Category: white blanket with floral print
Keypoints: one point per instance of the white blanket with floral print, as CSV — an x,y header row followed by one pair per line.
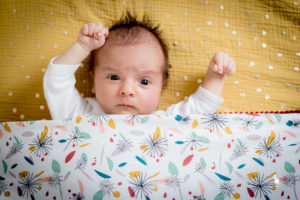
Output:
x,y
213,156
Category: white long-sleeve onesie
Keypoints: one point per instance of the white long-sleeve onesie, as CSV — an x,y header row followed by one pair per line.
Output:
x,y
64,101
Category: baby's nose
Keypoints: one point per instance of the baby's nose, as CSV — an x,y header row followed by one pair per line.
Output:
x,y
127,89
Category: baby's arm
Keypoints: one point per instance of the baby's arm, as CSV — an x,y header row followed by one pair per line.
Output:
x,y
91,36
220,66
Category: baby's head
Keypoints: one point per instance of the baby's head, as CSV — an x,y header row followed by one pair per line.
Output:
x,y
130,70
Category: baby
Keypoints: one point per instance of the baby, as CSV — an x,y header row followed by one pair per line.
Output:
x,y
129,69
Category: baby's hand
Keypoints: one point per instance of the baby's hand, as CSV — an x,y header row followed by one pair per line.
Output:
x,y
222,64
92,36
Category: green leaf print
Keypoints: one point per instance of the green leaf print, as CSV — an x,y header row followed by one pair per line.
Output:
x,y
16,139
289,167
110,163
278,117
173,169
4,166
55,166
99,195
84,135
258,125
84,157
77,130
202,161
229,166
145,119
220,196
203,139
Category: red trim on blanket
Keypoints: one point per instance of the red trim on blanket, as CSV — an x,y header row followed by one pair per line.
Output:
x,y
262,112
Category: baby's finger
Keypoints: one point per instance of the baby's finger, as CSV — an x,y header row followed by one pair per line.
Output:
x,y
229,67
91,29
84,30
98,30
105,32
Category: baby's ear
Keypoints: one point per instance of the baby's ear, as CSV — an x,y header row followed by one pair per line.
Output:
x,y
92,78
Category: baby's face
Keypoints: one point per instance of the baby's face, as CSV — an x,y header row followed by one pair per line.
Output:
x,y
128,79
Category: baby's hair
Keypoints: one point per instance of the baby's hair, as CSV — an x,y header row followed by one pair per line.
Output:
x,y
129,30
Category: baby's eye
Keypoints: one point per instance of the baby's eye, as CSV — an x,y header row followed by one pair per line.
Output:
x,y
145,82
114,77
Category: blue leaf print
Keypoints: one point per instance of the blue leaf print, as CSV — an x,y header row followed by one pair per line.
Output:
x,y
289,123
241,166
258,161
28,160
224,178
102,174
141,160
62,141
178,117
292,145
179,142
122,164
147,198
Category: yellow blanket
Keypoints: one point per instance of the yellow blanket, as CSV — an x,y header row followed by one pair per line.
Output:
x,y
262,37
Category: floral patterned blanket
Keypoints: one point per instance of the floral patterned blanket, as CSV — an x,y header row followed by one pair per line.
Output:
x,y
211,156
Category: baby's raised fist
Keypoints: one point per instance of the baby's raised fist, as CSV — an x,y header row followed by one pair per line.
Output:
x,y
92,36
222,64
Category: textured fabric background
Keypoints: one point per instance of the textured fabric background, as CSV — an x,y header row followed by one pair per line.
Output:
x,y
262,37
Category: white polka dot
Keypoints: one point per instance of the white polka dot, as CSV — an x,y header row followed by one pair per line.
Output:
x,y
264,45
10,93
98,12
37,95
236,82
15,60
242,95
50,13
69,12
270,67
264,33
42,20
226,24
13,10
267,97
43,69
257,76
153,9
293,37
183,46
197,29
27,27
168,15
295,3
22,66
279,54
183,26
145,4
65,32
253,25
258,90
40,7
186,12
282,106
248,12
42,107
208,23
267,16
296,69
55,45
233,32
252,63
297,89
177,94
283,33
240,43
21,16
50,24
124,2
287,85
10,44
175,43
27,77
22,116
42,57
267,83
205,2
37,45
221,7
298,54
185,77
199,80
188,62
255,39
14,110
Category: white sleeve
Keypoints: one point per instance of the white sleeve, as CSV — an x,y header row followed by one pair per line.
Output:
x,y
62,97
202,101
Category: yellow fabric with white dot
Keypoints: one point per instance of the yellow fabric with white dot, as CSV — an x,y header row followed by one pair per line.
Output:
x,y
262,37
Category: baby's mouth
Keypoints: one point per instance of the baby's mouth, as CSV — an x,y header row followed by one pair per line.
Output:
x,y
125,105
